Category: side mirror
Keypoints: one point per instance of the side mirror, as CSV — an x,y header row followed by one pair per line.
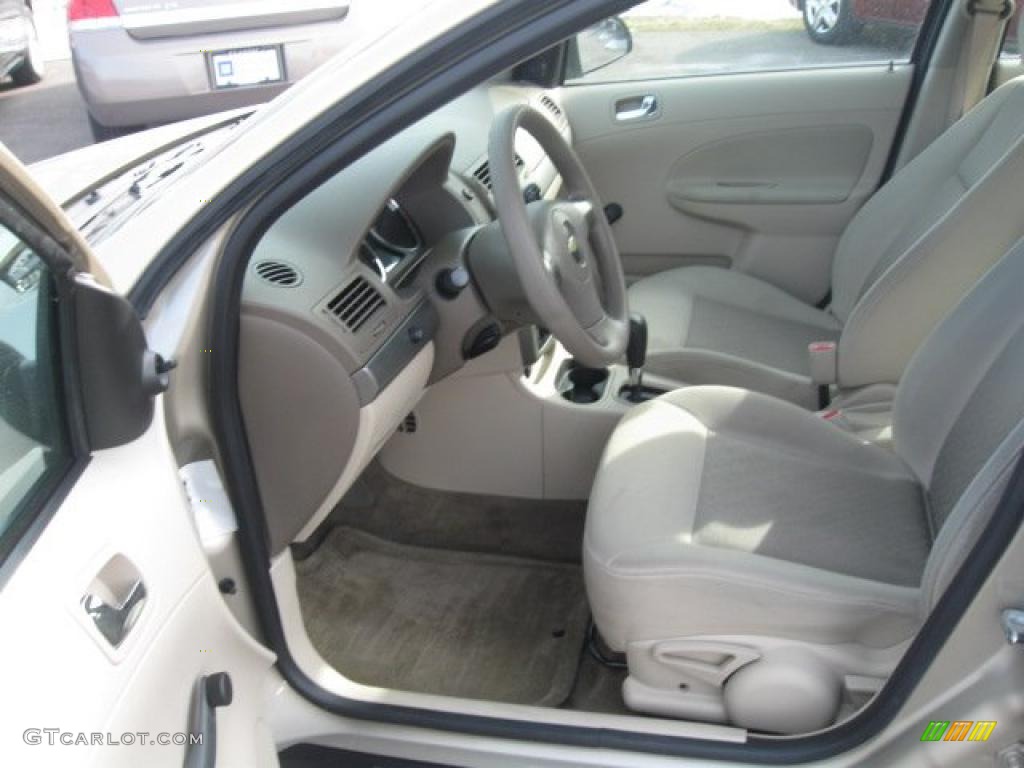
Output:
x,y
599,46
120,376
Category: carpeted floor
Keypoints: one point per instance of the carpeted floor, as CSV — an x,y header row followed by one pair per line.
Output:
x,y
597,689
442,621
385,506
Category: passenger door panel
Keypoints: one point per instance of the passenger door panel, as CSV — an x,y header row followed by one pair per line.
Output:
x,y
128,503
758,172
112,612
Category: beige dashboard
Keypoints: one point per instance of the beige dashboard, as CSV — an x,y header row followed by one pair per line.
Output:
x,y
358,297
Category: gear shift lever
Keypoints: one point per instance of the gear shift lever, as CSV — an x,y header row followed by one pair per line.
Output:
x,y
636,354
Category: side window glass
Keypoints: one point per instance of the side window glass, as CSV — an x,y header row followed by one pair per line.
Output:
x,y
687,38
34,449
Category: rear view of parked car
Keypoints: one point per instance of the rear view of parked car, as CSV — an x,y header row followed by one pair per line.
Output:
x,y
140,62
20,54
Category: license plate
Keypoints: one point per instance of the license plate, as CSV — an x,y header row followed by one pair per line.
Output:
x,y
246,66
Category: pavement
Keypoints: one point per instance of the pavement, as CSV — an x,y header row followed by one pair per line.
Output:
x,y
743,9
46,119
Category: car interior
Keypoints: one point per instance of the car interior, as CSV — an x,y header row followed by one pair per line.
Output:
x,y
667,399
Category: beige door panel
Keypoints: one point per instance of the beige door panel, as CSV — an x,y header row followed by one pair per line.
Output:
x,y
126,523
112,615
760,172
768,170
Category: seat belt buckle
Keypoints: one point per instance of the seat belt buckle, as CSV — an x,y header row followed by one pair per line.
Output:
x,y
824,362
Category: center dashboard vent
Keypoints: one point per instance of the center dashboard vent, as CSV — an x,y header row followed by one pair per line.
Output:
x,y
483,171
278,273
356,304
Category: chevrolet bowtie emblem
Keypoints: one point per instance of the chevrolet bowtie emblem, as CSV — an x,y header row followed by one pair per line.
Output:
x,y
574,248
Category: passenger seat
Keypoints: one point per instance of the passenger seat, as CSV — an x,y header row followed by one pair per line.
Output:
x,y
903,262
761,568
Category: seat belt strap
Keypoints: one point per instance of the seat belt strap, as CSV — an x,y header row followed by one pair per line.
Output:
x,y
988,20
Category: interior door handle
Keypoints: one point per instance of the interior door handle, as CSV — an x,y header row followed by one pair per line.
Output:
x,y
115,599
636,108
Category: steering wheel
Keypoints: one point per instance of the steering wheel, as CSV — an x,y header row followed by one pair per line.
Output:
x,y
564,251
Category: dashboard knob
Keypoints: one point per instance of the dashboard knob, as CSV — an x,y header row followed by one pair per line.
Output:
x,y
451,282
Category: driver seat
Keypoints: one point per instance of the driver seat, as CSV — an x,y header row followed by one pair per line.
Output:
x,y
903,262
759,566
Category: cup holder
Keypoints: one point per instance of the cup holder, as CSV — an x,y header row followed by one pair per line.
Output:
x,y
583,385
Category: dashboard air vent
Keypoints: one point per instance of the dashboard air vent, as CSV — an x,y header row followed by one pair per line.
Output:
x,y
278,273
483,174
409,425
483,171
356,304
551,106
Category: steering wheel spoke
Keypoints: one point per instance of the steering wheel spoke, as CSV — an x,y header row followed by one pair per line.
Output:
x,y
585,210
602,331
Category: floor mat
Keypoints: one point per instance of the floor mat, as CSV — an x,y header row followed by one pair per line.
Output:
x,y
397,511
438,621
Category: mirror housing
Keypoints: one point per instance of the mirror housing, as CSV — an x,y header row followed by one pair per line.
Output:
x,y
598,46
119,374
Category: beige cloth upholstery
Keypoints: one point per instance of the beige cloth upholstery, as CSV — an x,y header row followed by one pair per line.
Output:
x,y
719,511
903,262
722,511
715,326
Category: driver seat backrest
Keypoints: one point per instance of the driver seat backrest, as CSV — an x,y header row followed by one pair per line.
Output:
x,y
920,243
958,421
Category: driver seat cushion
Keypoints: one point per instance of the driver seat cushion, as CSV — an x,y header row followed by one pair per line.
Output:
x,y
714,326
719,510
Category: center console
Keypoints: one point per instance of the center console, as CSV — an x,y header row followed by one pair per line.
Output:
x,y
589,386
584,386
526,420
